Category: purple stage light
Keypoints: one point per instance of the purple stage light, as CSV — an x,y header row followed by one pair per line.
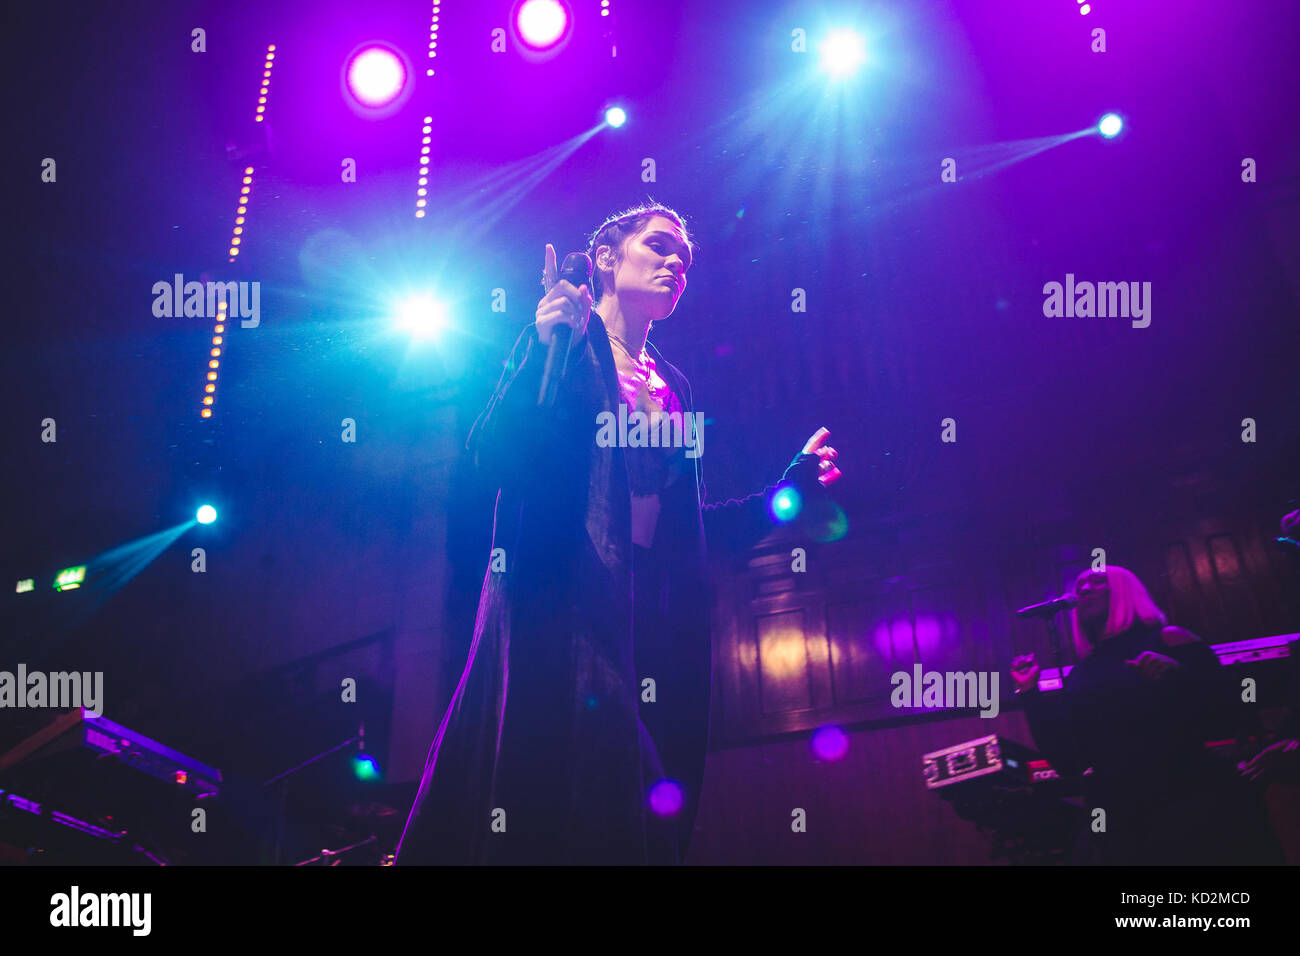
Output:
x,y
376,77
541,23
830,743
666,798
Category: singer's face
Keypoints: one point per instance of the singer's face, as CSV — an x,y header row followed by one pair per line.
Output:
x,y
1093,590
652,271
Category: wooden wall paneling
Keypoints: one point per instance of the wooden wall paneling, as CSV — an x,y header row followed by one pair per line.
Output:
x,y
1187,600
735,697
1228,564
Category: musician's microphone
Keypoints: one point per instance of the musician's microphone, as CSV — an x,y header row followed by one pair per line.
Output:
x,y
576,269
1048,608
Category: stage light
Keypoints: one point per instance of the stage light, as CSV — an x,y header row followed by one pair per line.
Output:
x,y
422,316
376,77
786,504
70,579
365,767
1110,125
843,52
541,23
615,116
27,584
206,514
666,798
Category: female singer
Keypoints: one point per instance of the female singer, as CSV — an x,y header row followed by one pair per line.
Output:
x,y
578,730
1138,708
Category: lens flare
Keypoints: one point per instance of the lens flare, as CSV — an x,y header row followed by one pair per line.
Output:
x,y
830,743
666,798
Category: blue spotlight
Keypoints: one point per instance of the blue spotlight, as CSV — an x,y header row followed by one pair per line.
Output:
x,y
365,767
842,52
206,514
786,504
1110,125
422,316
615,116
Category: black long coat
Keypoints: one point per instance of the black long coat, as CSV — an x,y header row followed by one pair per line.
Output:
x,y
541,756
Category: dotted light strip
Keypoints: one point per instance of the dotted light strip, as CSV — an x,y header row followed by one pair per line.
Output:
x,y
219,331
237,234
426,131
266,83
605,11
236,240
422,184
214,360
433,37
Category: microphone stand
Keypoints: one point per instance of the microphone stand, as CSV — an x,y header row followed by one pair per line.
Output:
x,y
282,792
1054,632
328,854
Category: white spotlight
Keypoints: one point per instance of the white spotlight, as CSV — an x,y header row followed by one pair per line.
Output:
x,y
423,316
842,52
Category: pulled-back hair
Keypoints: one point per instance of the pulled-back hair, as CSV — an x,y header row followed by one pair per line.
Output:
x,y
1129,600
620,227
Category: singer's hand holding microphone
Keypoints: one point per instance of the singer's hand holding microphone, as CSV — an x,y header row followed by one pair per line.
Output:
x,y
563,303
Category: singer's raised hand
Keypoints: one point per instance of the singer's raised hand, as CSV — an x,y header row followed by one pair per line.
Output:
x,y
816,445
1025,671
562,303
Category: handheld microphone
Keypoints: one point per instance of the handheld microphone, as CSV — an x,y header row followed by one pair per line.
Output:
x,y
577,270
1048,608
